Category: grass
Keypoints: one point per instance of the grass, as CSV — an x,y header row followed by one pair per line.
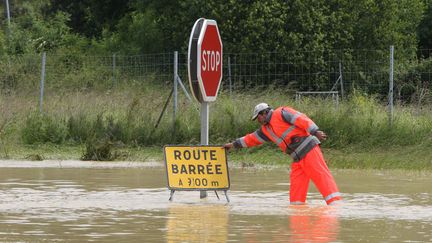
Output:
x,y
407,158
119,124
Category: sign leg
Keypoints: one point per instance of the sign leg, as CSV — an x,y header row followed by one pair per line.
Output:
x,y
217,195
171,195
226,195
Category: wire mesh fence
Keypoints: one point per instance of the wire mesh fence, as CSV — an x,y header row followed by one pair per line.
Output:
x,y
332,70
311,71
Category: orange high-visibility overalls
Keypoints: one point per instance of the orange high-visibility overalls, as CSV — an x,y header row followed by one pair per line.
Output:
x,y
294,133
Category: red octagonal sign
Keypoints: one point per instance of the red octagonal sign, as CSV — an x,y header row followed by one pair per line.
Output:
x,y
209,60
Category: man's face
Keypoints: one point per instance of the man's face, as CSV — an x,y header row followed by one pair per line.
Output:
x,y
261,118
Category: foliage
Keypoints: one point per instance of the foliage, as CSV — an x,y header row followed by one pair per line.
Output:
x,y
413,80
263,26
99,150
246,26
43,128
91,17
31,31
424,30
3,43
139,33
360,121
330,29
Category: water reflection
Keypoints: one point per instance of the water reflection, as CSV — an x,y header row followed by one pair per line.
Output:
x,y
301,224
197,223
313,224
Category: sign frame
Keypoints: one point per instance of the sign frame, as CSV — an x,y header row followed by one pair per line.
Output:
x,y
196,189
194,60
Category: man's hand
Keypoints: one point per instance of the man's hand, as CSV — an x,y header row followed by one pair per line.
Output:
x,y
321,135
228,146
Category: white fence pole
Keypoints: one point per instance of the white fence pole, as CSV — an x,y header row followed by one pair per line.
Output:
x,y
229,76
341,80
9,23
8,13
114,68
42,82
391,108
175,87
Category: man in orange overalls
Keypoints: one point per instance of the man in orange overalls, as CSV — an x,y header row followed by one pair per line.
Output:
x,y
296,135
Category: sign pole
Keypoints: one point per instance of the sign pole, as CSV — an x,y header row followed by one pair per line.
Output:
x,y
205,70
204,132
204,123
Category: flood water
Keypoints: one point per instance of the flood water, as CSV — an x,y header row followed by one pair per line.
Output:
x,y
74,201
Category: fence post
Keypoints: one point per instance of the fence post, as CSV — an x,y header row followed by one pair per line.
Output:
x,y
341,80
175,88
391,108
113,68
9,23
8,13
42,82
229,76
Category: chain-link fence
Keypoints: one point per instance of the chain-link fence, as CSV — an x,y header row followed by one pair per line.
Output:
x,y
333,70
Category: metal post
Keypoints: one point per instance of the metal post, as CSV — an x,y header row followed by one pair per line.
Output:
x,y
113,68
42,81
9,24
337,101
229,76
391,85
341,80
175,89
8,13
184,88
204,132
204,123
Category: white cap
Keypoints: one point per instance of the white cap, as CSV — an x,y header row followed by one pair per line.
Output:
x,y
258,108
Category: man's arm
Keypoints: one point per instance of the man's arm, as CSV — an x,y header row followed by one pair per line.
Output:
x,y
228,146
321,135
250,140
300,120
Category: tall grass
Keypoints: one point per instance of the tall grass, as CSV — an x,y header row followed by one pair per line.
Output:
x,y
127,117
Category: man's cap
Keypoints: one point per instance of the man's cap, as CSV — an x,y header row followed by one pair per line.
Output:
x,y
258,108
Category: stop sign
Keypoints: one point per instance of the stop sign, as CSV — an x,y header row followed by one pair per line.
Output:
x,y
206,54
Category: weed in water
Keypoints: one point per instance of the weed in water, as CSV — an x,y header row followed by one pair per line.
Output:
x,y
101,150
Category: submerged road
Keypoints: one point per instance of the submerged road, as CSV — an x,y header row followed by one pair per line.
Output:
x,y
76,201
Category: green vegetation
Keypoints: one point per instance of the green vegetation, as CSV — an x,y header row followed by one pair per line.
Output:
x,y
136,26
93,125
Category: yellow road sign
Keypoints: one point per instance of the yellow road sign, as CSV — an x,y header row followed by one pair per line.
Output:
x,y
196,168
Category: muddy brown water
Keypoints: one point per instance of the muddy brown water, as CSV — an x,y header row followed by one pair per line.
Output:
x,y
74,201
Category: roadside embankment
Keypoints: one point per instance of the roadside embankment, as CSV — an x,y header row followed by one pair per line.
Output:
x,y
122,124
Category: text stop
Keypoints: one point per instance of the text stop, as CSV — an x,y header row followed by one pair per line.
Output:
x,y
211,60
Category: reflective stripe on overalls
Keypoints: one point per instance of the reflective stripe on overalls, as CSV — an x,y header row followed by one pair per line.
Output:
x,y
279,140
302,149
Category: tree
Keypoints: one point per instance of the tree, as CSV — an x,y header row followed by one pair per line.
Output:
x,y
138,33
90,17
424,30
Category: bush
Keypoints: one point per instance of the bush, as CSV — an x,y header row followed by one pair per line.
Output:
x,y
414,81
79,128
43,128
100,150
